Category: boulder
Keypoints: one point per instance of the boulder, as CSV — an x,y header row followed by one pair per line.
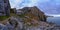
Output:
x,y
16,22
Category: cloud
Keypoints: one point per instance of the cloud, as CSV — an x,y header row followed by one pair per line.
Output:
x,y
47,6
14,3
23,3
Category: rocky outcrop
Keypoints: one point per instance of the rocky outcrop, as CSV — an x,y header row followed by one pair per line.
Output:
x,y
4,8
32,19
16,23
33,12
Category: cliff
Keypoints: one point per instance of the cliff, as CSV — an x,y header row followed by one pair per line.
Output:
x,y
4,8
34,13
31,19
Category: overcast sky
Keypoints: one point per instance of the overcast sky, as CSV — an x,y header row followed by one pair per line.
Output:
x,y
23,3
48,6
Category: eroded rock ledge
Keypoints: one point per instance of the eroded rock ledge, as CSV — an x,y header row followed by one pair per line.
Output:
x,y
16,23
31,19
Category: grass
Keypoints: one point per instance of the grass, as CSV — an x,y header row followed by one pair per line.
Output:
x,y
3,18
22,15
11,14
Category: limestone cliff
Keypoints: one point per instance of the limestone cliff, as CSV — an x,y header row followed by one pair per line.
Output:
x,y
34,13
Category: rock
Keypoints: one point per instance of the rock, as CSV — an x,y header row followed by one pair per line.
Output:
x,y
3,27
16,23
33,19
43,27
4,8
13,23
33,12
13,10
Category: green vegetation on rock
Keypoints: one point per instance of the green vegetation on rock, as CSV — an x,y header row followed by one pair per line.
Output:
x,y
3,18
6,17
22,15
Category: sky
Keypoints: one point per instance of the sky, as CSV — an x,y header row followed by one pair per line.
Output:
x,y
47,6
23,3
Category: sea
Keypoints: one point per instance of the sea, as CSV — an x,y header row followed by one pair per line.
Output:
x,y
55,20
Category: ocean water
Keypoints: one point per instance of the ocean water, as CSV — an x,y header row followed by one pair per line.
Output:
x,y
55,20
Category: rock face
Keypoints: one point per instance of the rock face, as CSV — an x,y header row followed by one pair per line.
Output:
x,y
33,12
13,10
32,19
4,7
16,23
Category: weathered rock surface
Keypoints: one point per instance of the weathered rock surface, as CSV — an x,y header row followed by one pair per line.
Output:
x,y
33,12
15,23
32,19
4,8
